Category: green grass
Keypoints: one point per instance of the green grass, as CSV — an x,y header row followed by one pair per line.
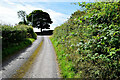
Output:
x,y
66,67
27,65
15,38
15,47
88,44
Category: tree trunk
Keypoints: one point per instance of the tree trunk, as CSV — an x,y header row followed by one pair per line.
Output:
x,y
41,27
41,30
24,21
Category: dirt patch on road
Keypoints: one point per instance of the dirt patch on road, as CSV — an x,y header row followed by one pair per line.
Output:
x,y
26,66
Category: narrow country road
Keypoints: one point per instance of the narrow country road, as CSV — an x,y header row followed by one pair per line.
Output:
x,y
44,65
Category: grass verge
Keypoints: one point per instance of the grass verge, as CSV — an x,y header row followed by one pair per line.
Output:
x,y
26,66
65,66
13,48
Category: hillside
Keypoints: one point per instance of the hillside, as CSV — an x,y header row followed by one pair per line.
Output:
x,y
88,44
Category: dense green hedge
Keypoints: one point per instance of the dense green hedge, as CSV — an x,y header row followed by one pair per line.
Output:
x,y
15,34
88,44
15,38
15,47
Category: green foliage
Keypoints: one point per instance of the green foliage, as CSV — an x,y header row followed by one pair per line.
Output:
x,y
14,38
15,47
16,33
39,19
102,12
22,14
88,44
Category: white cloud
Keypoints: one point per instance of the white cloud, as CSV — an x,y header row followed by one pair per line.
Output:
x,y
58,18
8,14
9,2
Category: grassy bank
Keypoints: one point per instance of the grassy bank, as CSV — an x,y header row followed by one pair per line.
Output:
x,y
88,44
15,47
21,72
16,38
66,69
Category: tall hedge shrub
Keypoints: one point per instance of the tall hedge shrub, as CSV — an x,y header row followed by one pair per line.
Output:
x,y
15,38
88,45
15,34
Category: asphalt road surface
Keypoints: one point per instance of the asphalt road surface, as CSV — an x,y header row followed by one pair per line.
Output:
x,y
44,65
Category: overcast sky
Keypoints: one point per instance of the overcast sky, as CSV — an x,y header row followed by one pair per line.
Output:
x,y
59,11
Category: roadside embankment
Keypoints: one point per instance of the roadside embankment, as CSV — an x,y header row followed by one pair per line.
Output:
x,y
16,38
18,65
88,43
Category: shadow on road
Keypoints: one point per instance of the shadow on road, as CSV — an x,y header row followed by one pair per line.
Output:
x,y
14,56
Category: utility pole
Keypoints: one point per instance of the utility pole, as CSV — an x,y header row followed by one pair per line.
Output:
x,y
32,19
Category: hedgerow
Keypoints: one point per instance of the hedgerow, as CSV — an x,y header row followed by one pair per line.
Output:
x,y
88,44
15,38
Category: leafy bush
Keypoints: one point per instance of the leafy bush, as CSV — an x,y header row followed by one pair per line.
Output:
x,y
88,44
15,47
16,34
15,37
